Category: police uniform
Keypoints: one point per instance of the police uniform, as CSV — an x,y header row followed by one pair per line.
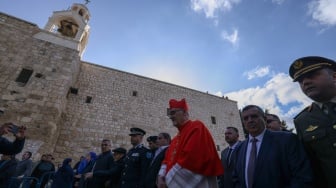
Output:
x,y
136,163
315,128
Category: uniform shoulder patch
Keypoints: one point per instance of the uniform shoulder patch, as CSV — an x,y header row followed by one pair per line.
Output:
x,y
307,109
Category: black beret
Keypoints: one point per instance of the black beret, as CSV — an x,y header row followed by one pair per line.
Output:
x,y
137,131
120,150
305,65
152,138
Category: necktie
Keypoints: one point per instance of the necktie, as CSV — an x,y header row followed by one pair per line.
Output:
x,y
331,108
228,159
252,161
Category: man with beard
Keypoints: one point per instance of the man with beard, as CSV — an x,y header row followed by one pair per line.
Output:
x,y
191,159
316,124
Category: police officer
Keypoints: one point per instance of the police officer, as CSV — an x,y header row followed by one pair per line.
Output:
x,y
136,161
316,124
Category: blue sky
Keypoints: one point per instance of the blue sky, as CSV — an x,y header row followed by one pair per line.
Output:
x,y
237,48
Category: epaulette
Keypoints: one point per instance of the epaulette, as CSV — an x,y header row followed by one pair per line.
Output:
x,y
307,109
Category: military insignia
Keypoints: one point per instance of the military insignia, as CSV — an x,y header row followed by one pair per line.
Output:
x,y
311,128
298,65
135,154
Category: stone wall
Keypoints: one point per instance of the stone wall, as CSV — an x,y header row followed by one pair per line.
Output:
x,y
39,102
121,100
69,106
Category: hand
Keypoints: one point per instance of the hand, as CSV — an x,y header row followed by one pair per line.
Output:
x,y
5,128
21,133
78,176
88,175
161,182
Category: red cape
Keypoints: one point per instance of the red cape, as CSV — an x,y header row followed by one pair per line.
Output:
x,y
194,149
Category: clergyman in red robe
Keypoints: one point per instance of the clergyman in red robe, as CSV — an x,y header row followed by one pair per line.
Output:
x,y
191,159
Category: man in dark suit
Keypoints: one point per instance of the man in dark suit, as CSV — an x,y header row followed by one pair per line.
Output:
x,y
228,156
267,158
163,140
101,170
316,124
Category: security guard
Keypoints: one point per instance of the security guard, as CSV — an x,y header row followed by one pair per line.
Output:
x,y
316,124
136,161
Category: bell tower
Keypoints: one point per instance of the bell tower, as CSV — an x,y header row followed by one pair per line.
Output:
x,y
71,24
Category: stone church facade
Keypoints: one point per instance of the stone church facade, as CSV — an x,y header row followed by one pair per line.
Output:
x,y
70,105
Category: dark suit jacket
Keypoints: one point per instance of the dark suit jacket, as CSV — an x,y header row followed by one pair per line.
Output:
x,y
226,180
101,170
153,170
317,131
281,162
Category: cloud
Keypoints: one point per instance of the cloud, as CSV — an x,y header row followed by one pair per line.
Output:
x,y
323,11
279,2
166,71
232,38
209,7
258,72
279,95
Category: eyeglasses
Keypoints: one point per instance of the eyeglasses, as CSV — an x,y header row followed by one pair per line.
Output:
x,y
159,138
172,112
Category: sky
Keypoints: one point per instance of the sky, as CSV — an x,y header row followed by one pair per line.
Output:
x,y
240,49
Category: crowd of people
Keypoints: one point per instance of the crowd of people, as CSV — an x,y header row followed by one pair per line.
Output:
x,y
270,155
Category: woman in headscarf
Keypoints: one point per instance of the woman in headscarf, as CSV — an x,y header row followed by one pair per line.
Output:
x,y
64,175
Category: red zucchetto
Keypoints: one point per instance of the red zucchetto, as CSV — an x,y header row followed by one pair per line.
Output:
x,y
182,104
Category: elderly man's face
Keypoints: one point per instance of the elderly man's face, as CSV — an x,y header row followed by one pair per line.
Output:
x,y
253,121
178,116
